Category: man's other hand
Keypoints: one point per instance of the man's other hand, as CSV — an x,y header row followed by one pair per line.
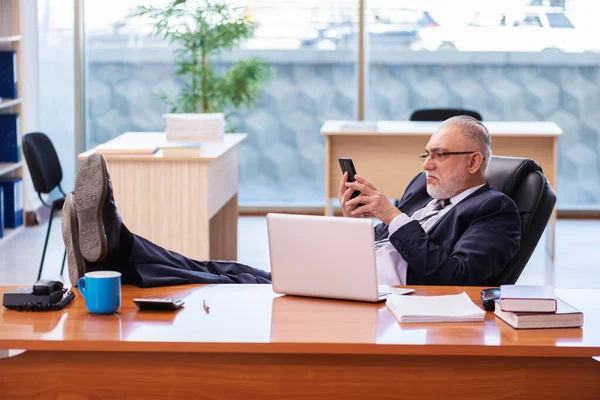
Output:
x,y
374,202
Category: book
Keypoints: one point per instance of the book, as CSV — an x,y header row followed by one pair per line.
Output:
x,y
449,308
527,298
10,138
566,316
182,149
13,201
8,74
130,143
359,126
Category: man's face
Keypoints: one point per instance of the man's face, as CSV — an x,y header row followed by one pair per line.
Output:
x,y
447,176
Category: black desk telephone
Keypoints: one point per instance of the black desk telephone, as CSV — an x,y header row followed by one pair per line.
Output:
x,y
46,295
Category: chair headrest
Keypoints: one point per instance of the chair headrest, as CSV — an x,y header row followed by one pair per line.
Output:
x,y
506,173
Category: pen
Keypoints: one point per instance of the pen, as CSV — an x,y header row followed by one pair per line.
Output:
x,y
206,307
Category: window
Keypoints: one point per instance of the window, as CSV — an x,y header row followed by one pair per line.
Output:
x,y
310,46
56,83
507,61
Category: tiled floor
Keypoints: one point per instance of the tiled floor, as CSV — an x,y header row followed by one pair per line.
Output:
x,y
575,266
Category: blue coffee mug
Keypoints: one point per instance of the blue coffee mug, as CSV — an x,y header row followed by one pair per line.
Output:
x,y
102,291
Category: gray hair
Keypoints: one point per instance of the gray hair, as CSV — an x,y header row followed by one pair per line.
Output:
x,y
473,130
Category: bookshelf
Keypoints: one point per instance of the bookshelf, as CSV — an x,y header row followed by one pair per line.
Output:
x,y
10,40
5,103
6,168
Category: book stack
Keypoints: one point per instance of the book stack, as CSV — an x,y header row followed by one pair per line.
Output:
x,y
532,306
195,127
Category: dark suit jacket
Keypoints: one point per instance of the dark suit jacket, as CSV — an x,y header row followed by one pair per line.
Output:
x,y
469,245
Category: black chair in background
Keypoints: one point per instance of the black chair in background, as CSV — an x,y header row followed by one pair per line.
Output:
x,y
523,181
441,114
46,174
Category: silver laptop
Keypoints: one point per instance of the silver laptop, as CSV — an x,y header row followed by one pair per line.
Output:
x,y
329,257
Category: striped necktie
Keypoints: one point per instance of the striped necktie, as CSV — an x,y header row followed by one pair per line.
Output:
x,y
437,206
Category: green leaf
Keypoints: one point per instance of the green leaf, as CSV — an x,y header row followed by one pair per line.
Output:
x,y
199,33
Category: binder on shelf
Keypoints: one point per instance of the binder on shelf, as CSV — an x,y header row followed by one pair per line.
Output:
x,y
8,74
13,201
1,212
10,138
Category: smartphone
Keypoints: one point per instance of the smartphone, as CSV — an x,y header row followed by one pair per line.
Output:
x,y
161,304
347,165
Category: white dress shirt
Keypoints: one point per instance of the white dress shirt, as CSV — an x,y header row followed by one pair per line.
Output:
x,y
391,267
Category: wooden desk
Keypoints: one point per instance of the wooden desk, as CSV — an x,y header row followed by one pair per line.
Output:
x,y
255,344
389,159
188,205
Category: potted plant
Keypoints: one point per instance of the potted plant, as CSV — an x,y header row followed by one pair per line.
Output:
x,y
200,32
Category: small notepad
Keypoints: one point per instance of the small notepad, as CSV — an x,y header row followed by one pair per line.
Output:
x,y
450,308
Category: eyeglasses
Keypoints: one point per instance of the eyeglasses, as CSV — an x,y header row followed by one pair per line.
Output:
x,y
441,155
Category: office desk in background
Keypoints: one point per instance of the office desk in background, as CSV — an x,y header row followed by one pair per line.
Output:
x,y
388,158
255,344
186,204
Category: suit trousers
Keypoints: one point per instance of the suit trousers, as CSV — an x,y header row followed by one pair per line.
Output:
x,y
149,265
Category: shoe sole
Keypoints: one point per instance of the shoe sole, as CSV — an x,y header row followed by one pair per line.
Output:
x,y
90,193
75,260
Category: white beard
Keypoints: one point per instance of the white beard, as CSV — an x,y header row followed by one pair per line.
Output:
x,y
450,187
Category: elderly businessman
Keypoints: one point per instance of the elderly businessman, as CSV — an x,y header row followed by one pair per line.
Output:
x,y
450,228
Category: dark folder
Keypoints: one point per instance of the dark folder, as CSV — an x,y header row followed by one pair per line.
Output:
x,y
10,141
13,201
8,74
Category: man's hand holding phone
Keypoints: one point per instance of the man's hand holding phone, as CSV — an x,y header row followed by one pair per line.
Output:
x,y
345,195
359,198
374,202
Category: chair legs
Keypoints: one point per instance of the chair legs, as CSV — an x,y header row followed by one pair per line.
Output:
x,y
62,269
46,243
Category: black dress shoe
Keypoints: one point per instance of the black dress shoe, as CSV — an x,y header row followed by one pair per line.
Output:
x,y
98,217
75,261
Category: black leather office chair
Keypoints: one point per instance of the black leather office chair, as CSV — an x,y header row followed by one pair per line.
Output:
x,y
441,114
523,181
46,174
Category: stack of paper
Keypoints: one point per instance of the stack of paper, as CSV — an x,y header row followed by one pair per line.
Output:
x,y
195,127
359,126
451,308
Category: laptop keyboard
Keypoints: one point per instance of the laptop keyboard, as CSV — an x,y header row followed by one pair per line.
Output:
x,y
381,294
